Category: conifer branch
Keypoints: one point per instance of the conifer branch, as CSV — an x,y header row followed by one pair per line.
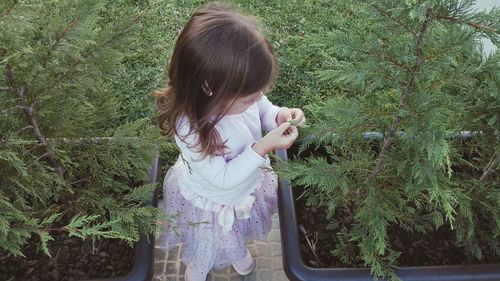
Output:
x,y
83,141
82,57
55,45
408,91
24,128
8,10
387,58
63,33
29,112
30,115
105,43
53,229
490,170
390,16
80,180
469,23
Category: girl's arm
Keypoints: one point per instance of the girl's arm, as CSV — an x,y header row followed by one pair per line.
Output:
x,y
267,113
215,170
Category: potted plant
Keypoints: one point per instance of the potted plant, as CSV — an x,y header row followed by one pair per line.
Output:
x,y
73,177
384,160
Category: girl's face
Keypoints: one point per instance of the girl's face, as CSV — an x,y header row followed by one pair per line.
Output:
x,y
242,104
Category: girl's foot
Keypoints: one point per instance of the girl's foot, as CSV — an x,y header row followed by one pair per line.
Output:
x,y
245,265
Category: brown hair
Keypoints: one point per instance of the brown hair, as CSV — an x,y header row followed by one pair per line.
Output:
x,y
220,55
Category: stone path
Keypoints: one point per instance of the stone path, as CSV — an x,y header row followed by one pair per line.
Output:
x,y
267,256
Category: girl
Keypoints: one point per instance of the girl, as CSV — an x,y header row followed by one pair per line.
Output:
x,y
221,188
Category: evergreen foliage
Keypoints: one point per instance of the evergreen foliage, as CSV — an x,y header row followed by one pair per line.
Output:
x,y
412,71
64,164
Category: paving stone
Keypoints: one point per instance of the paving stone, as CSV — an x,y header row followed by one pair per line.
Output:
x,y
173,254
275,250
160,255
275,236
267,256
279,276
277,263
264,251
263,262
254,249
236,278
265,275
251,277
171,268
159,268
170,277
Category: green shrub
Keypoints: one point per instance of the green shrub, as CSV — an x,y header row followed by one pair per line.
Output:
x,y
412,71
60,63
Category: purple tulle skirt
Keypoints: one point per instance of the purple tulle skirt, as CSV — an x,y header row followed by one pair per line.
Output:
x,y
204,245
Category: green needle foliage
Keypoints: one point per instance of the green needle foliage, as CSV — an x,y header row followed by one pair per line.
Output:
x,y
64,164
412,71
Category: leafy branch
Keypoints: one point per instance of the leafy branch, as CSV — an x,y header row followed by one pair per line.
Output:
x,y
69,43
408,91
82,57
490,170
8,9
469,23
30,114
82,227
55,44
390,16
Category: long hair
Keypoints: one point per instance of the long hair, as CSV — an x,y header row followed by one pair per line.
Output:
x,y
220,55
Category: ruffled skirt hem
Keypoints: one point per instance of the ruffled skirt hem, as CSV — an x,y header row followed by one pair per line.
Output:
x,y
205,245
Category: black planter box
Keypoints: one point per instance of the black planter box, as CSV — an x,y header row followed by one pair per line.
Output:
x,y
296,270
144,248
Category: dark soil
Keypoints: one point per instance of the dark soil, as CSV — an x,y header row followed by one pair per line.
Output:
x,y
72,259
416,249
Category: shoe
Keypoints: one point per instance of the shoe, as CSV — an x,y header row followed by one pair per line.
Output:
x,y
245,265
188,275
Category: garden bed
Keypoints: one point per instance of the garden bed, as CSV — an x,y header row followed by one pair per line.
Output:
x,y
436,248
72,259
423,257
417,249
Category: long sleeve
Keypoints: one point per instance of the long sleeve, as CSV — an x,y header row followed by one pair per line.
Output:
x,y
215,170
267,113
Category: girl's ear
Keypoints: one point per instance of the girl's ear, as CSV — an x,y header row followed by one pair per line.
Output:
x,y
206,88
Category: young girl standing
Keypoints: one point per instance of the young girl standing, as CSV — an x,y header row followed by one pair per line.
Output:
x,y
221,188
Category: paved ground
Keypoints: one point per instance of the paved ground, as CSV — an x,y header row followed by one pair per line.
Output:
x,y
267,256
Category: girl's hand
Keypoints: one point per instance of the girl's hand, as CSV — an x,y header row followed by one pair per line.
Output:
x,y
281,137
295,115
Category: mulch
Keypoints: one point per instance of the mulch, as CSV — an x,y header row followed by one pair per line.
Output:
x,y
417,249
72,259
